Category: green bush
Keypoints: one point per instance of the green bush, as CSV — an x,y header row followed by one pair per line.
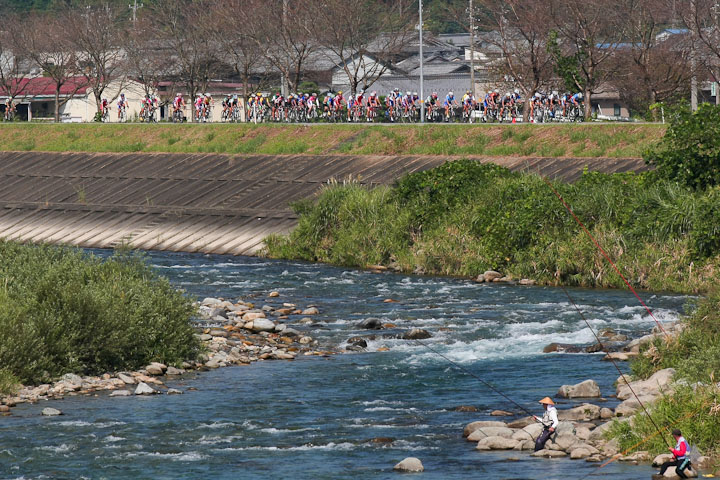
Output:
x,y
62,310
689,153
465,217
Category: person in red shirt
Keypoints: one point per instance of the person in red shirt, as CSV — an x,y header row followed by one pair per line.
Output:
x,y
680,460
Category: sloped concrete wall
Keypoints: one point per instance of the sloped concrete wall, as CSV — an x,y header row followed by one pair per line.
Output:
x,y
224,204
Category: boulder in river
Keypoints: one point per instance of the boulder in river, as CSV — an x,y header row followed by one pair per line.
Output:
x,y
51,412
263,325
156,368
484,432
120,393
310,311
416,334
583,413
491,275
410,464
471,427
496,443
658,383
371,323
144,389
586,389
127,379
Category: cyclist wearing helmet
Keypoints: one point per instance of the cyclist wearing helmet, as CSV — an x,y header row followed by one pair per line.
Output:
x,y
122,105
373,103
449,103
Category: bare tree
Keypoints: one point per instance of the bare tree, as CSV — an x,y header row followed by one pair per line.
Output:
x,y
181,29
286,36
12,74
147,60
522,29
45,41
237,46
96,32
702,18
586,41
362,37
655,67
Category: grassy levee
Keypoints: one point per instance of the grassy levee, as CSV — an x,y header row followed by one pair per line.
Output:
x,y
66,311
585,140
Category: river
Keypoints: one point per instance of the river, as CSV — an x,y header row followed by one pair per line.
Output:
x,y
315,417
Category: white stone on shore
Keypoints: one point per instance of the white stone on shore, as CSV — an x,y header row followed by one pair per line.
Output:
x,y
586,389
579,453
658,383
484,432
410,464
127,379
548,453
121,393
51,412
496,443
144,389
263,325
156,368
471,427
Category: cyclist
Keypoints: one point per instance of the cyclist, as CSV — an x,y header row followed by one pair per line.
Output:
x,y
391,101
432,102
312,103
207,103
565,100
577,99
122,106
328,104
104,106
373,103
506,104
450,102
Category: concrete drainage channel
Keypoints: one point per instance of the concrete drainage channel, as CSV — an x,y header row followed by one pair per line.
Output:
x,y
224,204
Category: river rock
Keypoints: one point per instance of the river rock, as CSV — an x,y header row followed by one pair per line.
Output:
x,y
579,453
586,389
209,301
127,379
656,384
219,332
584,413
371,324
471,427
273,294
491,275
606,413
501,413
4,409
410,464
563,441
416,334
251,316
156,368
466,408
174,371
204,337
120,393
662,458
545,453
144,389
310,311
263,325
631,405
484,432
529,432
174,391
51,412
496,443
522,422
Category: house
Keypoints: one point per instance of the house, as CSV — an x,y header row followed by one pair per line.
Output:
x,y
36,99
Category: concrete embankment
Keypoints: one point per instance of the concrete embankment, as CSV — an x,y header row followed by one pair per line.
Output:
x,y
212,203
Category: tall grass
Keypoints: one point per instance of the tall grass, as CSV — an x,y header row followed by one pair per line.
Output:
x,y
62,310
465,217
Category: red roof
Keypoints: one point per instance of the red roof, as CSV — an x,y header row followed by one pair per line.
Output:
x,y
45,86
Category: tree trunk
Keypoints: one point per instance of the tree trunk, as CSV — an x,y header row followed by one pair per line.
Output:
x,y
588,105
57,102
526,110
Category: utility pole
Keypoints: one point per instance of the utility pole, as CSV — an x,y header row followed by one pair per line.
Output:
x,y
716,79
422,87
283,80
693,61
134,7
472,49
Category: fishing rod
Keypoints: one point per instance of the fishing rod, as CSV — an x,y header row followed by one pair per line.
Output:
x,y
602,251
602,346
476,377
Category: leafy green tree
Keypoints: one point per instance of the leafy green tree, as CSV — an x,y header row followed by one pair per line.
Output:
x,y
689,153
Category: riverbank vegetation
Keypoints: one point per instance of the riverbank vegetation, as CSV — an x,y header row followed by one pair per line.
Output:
x,y
66,311
589,140
694,404
464,217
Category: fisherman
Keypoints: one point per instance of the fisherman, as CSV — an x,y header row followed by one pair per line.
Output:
x,y
680,460
549,422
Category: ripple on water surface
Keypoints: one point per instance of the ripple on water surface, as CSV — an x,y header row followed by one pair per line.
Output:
x,y
349,416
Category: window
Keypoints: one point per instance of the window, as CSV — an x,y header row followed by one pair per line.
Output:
x,y
616,109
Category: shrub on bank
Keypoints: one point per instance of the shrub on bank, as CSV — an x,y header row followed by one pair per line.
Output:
x,y
465,217
63,310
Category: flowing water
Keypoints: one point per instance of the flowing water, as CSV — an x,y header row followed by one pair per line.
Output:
x,y
315,417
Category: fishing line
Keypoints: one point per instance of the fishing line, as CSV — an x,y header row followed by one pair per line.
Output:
x,y
602,251
602,346
487,384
